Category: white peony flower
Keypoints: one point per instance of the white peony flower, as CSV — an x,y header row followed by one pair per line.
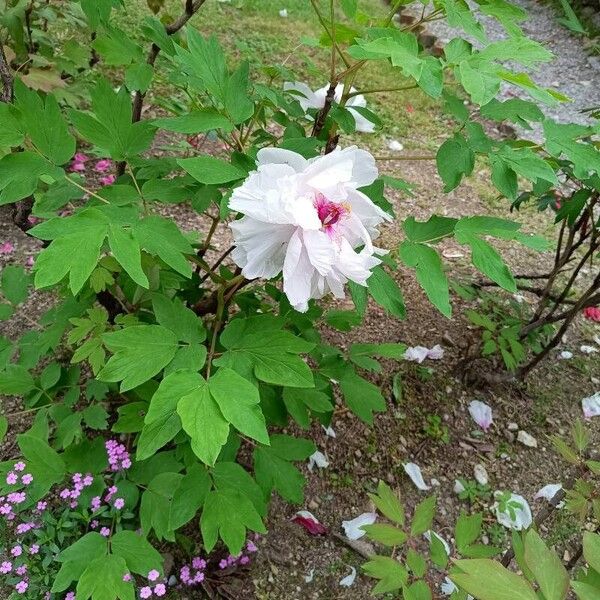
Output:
x,y
515,514
414,472
317,100
352,528
305,218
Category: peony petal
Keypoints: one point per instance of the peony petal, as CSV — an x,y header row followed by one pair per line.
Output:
x,y
281,156
307,520
363,125
436,353
395,146
353,528
458,487
329,431
565,355
317,459
428,535
588,349
519,518
591,406
349,579
311,575
481,413
416,354
481,475
548,491
414,472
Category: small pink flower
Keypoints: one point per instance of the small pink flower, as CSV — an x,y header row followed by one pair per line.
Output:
x,y
223,564
244,560
27,479
34,549
96,502
160,589
21,587
103,165
94,524
146,592
11,478
70,596
198,563
105,531
21,570
119,504
30,261
7,248
80,157
16,550
16,497
66,493
77,167
19,466
88,480
76,477
5,567
251,547
108,180
33,220
127,577
184,574
153,575
41,506
5,509
199,577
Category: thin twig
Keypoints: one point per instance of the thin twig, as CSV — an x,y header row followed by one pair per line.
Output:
x,y
6,77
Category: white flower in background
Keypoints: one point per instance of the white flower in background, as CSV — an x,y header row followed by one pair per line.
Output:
x,y
591,406
305,218
349,579
428,535
414,472
481,413
283,13
419,353
318,459
352,528
513,512
310,99
395,146
548,492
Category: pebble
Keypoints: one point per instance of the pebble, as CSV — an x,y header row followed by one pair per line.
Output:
x,y
481,475
512,426
527,439
313,505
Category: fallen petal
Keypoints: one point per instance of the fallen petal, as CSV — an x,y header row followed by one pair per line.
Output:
x,y
395,146
349,579
436,353
328,431
7,248
317,459
548,491
309,522
481,413
416,354
283,13
414,472
516,513
591,406
588,349
311,575
352,528
458,487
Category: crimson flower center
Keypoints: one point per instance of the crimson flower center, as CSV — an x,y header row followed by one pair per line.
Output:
x,y
329,212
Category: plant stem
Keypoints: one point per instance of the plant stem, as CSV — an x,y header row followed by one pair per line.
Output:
x,y
331,36
216,328
137,187
83,189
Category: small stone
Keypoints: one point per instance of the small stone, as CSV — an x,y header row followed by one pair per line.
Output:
x,y
435,482
526,439
512,426
357,453
509,435
481,475
485,540
313,505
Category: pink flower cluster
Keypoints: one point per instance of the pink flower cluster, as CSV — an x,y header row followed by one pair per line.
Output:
x,y
8,502
7,248
242,559
592,313
79,483
118,457
194,573
159,589
102,166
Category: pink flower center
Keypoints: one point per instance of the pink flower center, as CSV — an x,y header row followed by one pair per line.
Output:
x,y
330,213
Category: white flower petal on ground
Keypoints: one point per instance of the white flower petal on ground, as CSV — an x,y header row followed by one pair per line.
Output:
x,y
548,491
416,354
588,349
436,353
352,528
517,513
311,575
458,487
319,460
395,146
414,472
349,579
283,13
306,218
329,431
428,534
565,355
591,406
481,413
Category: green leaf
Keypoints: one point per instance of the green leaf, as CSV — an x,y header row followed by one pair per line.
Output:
x,y
489,580
182,321
126,250
210,170
519,49
431,231
389,571
561,139
591,549
196,121
487,260
136,551
227,514
482,85
431,80
362,397
515,110
231,475
385,291
238,104
189,496
430,274
155,507
584,591
138,77
388,503
526,163
459,14
3,427
139,353
468,528
523,80
16,380
454,159
103,580
11,133
77,557
415,562
239,402
44,463
270,355
547,568
386,534
349,7
203,422
117,48
15,282
423,516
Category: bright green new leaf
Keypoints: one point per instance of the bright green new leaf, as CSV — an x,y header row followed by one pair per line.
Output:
x,y
239,402
481,84
103,580
43,462
388,503
77,557
210,170
126,250
454,159
139,353
562,139
423,516
182,321
386,534
547,568
591,549
228,514
391,573
17,380
468,528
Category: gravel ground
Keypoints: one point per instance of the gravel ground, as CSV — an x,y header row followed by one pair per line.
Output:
x,y
574,72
